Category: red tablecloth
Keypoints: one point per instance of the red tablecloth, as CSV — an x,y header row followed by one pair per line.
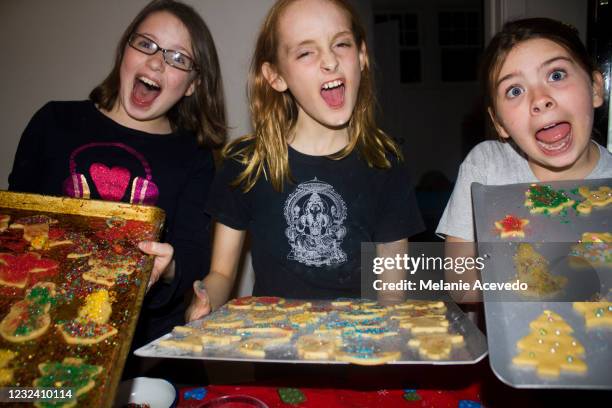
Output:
x,y
331,397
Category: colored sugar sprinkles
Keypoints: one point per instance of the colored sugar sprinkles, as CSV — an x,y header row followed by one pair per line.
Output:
x,y
56,325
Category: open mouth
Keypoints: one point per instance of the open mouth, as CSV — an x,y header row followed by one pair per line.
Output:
x,y
145,91
332,93
555,138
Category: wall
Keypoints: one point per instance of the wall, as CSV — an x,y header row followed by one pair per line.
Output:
x,y
573,12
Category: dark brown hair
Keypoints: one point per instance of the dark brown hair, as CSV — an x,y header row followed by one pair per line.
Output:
x,y
516,32
203,112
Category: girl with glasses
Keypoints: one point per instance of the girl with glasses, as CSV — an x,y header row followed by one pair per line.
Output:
x,y
144,136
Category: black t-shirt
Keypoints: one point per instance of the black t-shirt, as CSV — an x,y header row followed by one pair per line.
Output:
x,y
70,147
306,240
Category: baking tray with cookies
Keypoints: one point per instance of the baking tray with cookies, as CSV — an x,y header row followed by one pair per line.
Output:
x,y
72,282
340,331
554,237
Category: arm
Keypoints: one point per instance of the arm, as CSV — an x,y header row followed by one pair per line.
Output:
x,y
457,247
216,288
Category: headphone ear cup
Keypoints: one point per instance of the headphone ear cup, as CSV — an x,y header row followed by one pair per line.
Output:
x,y
143,192
76,186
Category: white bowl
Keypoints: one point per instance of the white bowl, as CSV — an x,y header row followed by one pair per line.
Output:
x,y
156,392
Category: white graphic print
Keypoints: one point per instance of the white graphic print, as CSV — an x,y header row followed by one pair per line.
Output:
x,y
315,214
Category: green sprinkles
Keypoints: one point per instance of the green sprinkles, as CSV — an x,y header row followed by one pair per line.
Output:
x,y
291,396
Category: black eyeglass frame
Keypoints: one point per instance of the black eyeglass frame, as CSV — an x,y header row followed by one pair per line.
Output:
x,y
164,51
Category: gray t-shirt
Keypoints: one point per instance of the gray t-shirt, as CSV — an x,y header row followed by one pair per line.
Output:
x,y
494,163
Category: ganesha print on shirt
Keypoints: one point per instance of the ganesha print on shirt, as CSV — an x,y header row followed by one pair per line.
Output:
x,y
315,214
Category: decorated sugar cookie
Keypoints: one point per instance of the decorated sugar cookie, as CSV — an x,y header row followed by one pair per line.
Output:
x,y
543,199
292,305
35,230
266,302
273,335
22,270
70,373
594,198
403,314
303,319
357,314
596,314
242,303
266,316
594,248
550,348
366,354
316,347
209,337
511,227
29,318
228,321
421,305
376,333
192,343
91,326
532,269
434,324
107,265
550,322
435,346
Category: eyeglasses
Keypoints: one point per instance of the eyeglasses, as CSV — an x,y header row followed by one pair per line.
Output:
x,y
173,58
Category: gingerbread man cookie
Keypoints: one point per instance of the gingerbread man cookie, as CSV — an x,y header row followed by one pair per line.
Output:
x,y
594,198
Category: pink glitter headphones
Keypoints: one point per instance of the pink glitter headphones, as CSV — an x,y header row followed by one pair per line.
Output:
x,y
108,181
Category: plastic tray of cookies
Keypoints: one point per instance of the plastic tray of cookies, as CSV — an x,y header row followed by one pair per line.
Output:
x,y
564,256
342,331
72,282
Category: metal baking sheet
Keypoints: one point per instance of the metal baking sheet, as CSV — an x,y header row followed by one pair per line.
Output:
x,y
82,216
508,315
473,350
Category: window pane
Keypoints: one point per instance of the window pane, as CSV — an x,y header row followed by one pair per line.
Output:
x,y
410,66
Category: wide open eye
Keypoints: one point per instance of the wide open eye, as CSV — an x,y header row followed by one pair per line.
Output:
x,y
557,75
514,91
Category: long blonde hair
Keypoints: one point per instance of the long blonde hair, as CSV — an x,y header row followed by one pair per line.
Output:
x,y
274,114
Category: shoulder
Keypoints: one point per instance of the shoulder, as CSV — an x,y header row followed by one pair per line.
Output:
x,y
604,166
64,111
485,151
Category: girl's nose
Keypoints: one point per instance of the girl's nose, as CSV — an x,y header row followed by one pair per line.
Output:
x,y
542,103
329,62
156,62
